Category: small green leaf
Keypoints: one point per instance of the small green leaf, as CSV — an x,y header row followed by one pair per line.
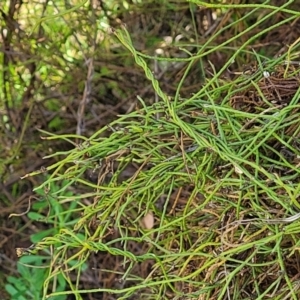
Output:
x,y
37,237
35,216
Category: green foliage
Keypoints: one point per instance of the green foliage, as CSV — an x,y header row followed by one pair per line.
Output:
x,y
214,177
33,280
30,283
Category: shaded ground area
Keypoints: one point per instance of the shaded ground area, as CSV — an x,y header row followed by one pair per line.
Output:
x,y
71,75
